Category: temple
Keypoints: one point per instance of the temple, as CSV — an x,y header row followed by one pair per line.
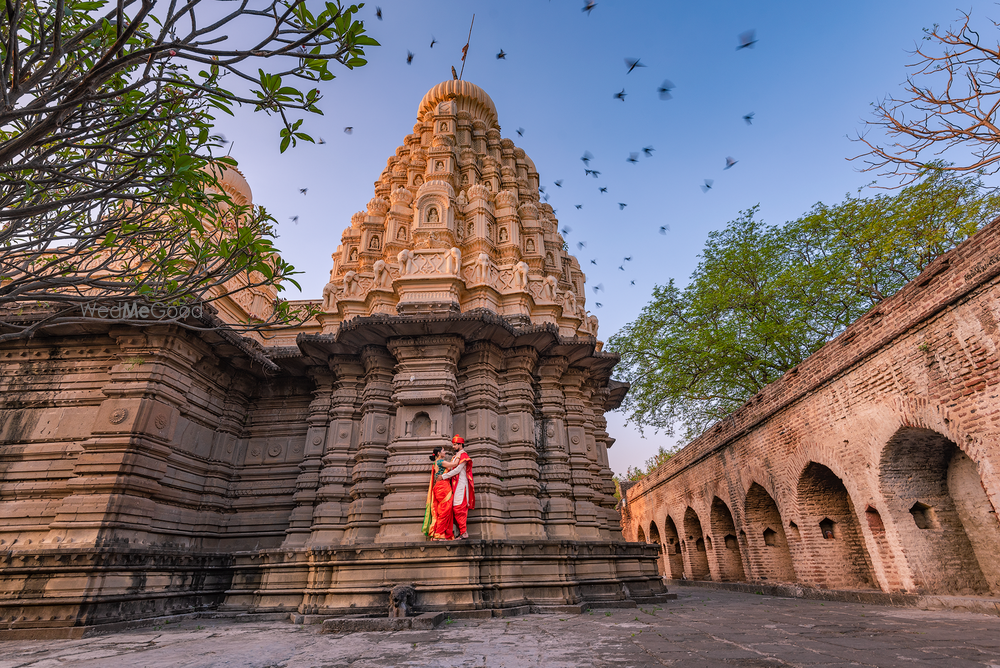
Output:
x,y
157,470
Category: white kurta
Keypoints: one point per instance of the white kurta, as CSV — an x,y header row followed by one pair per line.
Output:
x,y
461,486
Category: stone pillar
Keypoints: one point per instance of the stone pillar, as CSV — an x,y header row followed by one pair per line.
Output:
x,y
368,383
479,395
580,431
603,482
556,493
518,453
300,522
424,393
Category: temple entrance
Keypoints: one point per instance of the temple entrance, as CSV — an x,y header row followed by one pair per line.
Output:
x,y
947,526
830,533
694,542
727,546
769,556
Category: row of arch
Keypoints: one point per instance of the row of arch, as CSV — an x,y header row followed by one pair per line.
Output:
x,y
934,529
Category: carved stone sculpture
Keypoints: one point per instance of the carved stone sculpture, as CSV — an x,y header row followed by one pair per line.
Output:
x,y
569,303
330,297
482,271
549,288
402,598
521,276
453,261
383,279
405,258
352,287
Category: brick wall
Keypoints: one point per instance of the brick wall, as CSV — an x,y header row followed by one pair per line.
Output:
x,y
873,464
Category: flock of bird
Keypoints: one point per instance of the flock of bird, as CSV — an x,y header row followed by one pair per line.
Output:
x,y
746,40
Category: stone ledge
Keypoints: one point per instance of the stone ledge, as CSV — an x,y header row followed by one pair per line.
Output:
x,y
426,621
983,605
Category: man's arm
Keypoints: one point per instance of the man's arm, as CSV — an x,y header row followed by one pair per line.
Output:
x,y
456,470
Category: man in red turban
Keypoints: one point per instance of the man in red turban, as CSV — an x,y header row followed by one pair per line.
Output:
x,y
463,491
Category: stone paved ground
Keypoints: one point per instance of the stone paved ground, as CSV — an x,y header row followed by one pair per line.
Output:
x,y
701,628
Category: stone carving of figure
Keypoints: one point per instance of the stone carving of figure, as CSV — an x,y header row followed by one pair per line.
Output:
x,y
432,215
482,271
549,288
439,166
383,279
465,179
401,234
489,186
351,285
330,297
489,231
529,246
592,323
503,234
453,261
354,255
375,243
405,259
418,180
521,276
444,126
569,303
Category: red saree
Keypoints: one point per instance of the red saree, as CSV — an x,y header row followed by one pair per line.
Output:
x,y
439,519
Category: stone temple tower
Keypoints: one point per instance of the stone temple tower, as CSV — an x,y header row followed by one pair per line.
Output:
x,y
454,307
158,470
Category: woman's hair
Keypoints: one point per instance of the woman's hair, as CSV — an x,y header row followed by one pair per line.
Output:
x,y
437,451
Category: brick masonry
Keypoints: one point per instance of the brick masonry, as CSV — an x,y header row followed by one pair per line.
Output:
x,y
872,465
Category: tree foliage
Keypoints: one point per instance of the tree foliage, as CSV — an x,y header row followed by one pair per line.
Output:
x,y
110,167
764,298
948,110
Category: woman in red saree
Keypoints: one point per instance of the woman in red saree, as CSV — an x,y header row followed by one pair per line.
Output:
x,y
439,518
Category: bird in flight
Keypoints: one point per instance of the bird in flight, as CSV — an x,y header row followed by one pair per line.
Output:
x,y
581,244
566,229
664,229
409,57
633,158
593,172
587,157
665,88
648,151
730,162
321,141
593,262
621,95
433,41
520,132
349,129
628,259
633,282
303,190
632,63
378,13
747,39
621,206
294,219
559,183
579,206
708,185
603,189
541,189
749,118
501,55
598,304
598,287
588,6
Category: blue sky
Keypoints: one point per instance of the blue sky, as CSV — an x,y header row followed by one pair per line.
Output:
x,y
809,80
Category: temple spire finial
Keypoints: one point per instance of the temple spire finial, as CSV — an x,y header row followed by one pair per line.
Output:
x,y
465,49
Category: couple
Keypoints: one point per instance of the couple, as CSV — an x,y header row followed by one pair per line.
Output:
x,y
451,494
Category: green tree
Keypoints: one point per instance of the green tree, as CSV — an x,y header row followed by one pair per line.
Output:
x,y
110,167
764,298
